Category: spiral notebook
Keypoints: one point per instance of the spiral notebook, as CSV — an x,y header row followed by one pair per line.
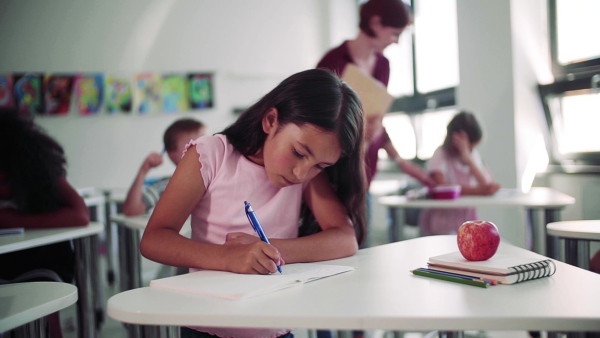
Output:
x,y
229,285
502,268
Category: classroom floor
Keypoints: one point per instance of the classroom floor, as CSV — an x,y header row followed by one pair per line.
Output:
x,y
114,329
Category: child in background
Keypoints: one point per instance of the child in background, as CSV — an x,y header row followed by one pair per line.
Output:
x,y
457,162
296,156
139,199
34,193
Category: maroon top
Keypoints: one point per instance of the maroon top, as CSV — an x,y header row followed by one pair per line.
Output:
x,y
336,60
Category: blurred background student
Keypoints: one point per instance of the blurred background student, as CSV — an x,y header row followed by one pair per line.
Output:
x,y
34,193
140,199
457,162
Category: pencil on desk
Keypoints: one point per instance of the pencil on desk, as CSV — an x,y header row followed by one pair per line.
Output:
x,y
468,281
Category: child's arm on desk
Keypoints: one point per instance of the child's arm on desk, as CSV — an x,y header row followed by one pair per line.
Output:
x,y
163,243
337,238
134,205
73,212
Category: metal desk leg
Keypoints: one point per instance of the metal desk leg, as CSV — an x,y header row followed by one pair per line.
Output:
x,y
577,253
83,278
396,226
129,258
110,266
537,235
551,215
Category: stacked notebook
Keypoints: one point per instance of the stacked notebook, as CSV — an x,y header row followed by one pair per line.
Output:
x,y
500,269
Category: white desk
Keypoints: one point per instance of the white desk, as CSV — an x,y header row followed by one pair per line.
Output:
x,y
28,303
86,260
577,236
382,294
538,198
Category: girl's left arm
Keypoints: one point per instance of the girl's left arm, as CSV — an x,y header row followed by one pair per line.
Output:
x,y
72,212
337,238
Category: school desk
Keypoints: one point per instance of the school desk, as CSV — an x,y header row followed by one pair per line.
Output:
x,y
128,229
382,293
576,236
85,239
550,201
24,306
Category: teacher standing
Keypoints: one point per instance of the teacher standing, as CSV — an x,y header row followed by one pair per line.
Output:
x,y
381,23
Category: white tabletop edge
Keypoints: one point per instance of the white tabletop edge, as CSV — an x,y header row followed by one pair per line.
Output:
x,y
37,237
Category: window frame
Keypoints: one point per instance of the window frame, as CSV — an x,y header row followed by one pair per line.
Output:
x,y
569,79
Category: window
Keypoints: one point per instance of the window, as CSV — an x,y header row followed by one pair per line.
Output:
x,y
424,75
424,64
572,102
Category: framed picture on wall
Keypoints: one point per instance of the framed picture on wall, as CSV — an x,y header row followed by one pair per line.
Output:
x,y
27,93
89,93
147,93
174,93
119,94
58,90
201,90
6,91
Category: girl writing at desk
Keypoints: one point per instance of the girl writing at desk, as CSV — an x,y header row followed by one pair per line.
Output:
x,y
296,156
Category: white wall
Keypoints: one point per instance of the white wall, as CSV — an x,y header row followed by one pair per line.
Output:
x,y
502,57
249,45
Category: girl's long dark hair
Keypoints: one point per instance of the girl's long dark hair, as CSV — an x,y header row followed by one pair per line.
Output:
x,y
466,121
319,98
32,162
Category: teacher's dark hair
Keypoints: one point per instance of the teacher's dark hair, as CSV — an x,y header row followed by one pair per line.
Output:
x,y
319,98
393,13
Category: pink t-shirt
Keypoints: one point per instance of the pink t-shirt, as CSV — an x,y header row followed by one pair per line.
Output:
x,y
230,179
447,221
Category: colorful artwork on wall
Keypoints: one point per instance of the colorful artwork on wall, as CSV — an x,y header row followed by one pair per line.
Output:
x,y
89,93
147,93
174,93
27,92
119,95
201,90
58,91
6,91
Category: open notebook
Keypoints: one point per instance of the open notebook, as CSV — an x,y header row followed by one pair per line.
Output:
x,y
231,285
502,268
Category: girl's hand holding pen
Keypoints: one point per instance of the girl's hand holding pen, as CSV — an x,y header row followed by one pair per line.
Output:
x,y
248,254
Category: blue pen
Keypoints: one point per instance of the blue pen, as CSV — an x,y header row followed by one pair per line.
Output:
x,y
257,227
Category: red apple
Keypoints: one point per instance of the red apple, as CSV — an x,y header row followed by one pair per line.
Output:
x,y
478,240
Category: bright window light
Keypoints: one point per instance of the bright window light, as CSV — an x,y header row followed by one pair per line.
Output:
x,y
402,134
401,71
436,44
577,29
576,128
432,127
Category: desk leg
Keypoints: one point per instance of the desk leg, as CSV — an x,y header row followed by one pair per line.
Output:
x,y
551,215
396,226
84,280
109,210
129,258
577,253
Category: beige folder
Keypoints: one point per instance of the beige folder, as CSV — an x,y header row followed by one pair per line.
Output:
x,y
372,93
